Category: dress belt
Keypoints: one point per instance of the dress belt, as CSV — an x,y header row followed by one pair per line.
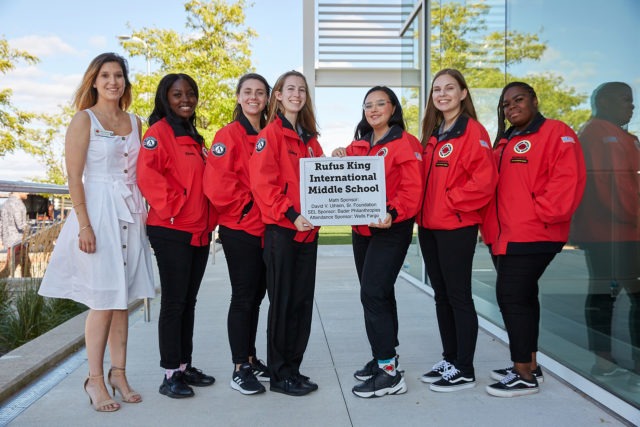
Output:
x,y
121,196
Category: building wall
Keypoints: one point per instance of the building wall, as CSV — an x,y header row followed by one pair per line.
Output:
x,y
590,294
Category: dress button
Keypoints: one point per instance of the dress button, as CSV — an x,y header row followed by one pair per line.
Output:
x,y
126,170
124,246
124,227
125,263
126,154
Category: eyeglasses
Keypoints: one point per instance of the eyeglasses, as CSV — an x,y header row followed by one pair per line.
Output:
x,y
369,105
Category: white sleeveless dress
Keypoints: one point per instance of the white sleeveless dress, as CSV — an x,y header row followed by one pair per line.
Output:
x,y
120,271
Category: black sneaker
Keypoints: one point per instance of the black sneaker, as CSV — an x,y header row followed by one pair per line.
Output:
x,y
453,380
436,372
513,385
306,382
245,382
290,386
499,374
371,367
175,387
260,370
380,384
196,377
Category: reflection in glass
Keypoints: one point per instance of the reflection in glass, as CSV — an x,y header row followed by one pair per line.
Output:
x,y
606,228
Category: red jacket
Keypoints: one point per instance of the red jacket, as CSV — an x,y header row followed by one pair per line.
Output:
x,y
170,169
403,173
274,170
611,204
226,177
460,177
542,178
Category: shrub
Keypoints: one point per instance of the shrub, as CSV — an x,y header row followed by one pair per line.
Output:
x,y
25,315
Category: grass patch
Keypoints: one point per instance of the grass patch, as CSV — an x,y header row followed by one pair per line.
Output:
x,y
335,235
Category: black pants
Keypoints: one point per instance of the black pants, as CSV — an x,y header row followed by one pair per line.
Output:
x,y
448,259
517,295
291,281
378,259
181,267
613,267
247,273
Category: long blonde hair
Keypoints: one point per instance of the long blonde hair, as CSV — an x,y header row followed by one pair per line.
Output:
x,y
87,96
306,116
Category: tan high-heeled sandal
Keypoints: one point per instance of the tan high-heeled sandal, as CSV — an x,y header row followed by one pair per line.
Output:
x,y
129,397
108,405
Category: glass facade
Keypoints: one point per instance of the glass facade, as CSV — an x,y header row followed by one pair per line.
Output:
x,y
579,58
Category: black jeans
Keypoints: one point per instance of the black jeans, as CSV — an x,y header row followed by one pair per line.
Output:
x,y
448,259
247,273
517,295
291,281
378,259
181,267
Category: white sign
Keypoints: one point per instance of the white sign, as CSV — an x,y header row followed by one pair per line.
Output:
x,y
343,190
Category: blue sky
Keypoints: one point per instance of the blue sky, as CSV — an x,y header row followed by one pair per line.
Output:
x,y
588,42
67,34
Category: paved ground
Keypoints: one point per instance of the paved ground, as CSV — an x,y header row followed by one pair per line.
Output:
x,y
338,346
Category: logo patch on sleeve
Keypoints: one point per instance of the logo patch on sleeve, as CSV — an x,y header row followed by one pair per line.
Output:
x,y
262,142
150,143
218,149
484,144
383,152
568,139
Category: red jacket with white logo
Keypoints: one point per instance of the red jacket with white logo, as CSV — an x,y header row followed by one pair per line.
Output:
x,y
460,177
402,169
274,171
226,177
170,168
542,178
611,204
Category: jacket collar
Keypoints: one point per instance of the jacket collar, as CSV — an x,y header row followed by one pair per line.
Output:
x,y
301,132
457,130
533,127
246,124
182,128
395,132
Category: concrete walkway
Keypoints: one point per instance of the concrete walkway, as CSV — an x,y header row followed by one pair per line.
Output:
x,y
337,347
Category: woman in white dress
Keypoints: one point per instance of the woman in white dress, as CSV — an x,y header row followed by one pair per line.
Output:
x,y
102,257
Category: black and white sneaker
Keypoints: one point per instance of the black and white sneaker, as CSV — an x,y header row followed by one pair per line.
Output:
x,y
371,367
260,370
513,385
380,384
453,380
436,372
499,374
245,382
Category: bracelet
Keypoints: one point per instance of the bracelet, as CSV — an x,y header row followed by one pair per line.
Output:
x,y
83,228
78,204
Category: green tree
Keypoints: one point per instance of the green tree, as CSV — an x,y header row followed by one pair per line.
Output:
x,y
459,39
215,51
51,153
15,132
